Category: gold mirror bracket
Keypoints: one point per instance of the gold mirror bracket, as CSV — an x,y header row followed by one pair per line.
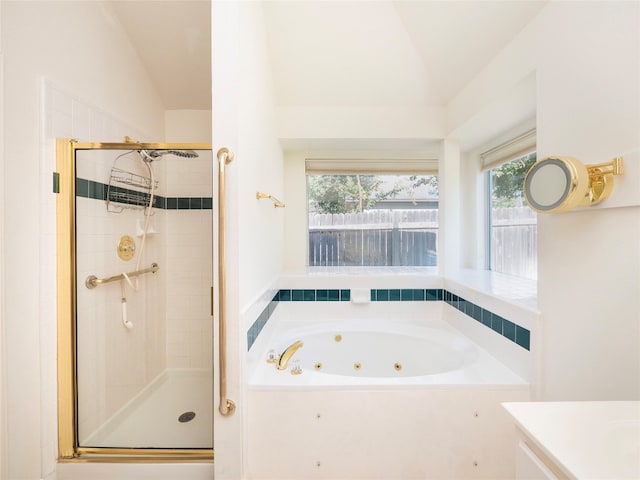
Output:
x,y
601,179
586,185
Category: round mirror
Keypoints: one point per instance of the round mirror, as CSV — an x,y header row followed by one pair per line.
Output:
x,y
556,184
547,184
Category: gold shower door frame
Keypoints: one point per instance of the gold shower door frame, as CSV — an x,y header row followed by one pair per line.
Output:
x,y
64,186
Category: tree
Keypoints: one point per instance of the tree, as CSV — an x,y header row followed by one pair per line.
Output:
x,y
507,180
429,180
346,193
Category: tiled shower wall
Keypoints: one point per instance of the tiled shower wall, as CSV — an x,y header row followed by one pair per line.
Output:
x,y
114,362
176,329
170,310
189,258
63,116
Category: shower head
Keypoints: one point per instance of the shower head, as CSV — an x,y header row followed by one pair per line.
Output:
x,y
151,155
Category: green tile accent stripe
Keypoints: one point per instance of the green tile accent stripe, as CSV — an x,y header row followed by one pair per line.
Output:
x,y
406,294
98,191
377,295
261,321
310,295
511,331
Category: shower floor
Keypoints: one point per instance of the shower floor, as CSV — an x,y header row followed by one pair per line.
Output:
x,y
151,420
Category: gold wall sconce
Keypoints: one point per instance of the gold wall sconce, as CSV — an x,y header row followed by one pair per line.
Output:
x,y
276,203
559,184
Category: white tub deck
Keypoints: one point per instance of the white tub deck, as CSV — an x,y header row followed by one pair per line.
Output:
x,y
475,367
447,425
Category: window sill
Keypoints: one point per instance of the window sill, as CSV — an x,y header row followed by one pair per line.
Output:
x,y
372,271
362,277
515,291
518,291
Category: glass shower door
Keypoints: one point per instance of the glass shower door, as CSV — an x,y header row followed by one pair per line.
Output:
x,y
143,322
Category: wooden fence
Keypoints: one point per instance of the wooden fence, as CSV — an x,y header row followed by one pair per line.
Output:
x,y
410,238
514,241
374,238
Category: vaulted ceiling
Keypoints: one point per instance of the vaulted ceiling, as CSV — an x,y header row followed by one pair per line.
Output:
x,y
401,53
173,40
333,53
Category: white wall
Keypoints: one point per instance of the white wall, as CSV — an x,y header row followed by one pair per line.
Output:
x,y
312,122
3,362
450,230
243,120
296,216
243,116
585,56
188,126
80,48
589,107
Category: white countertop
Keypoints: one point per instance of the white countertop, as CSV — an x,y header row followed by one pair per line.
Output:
x,y
586,440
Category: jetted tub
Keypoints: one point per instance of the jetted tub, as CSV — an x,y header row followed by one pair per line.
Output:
x,y
371,351
385,391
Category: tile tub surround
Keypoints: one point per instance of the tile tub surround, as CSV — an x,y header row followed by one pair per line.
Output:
x,y
423,432
508,329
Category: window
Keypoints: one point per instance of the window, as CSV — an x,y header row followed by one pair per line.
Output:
x,y
512,224
366,218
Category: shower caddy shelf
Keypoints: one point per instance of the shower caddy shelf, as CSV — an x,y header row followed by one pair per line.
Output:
x,y
127,198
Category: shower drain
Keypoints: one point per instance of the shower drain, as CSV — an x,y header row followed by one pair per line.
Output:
x,y
186,417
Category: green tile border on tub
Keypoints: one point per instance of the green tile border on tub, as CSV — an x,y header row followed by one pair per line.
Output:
x,y
508,329
502,326
376,295
315,295
406,294
263,318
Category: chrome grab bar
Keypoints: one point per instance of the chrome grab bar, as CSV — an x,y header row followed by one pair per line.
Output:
x,y
92,281
226,407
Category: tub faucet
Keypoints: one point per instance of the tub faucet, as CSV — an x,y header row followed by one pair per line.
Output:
x,y
287,354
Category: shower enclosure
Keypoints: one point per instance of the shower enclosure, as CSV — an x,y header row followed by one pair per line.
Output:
x,y
135,299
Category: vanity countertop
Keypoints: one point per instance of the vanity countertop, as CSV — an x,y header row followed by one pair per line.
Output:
x,y
586,440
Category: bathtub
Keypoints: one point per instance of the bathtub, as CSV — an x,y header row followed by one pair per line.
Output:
x,y
370,351
385,391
